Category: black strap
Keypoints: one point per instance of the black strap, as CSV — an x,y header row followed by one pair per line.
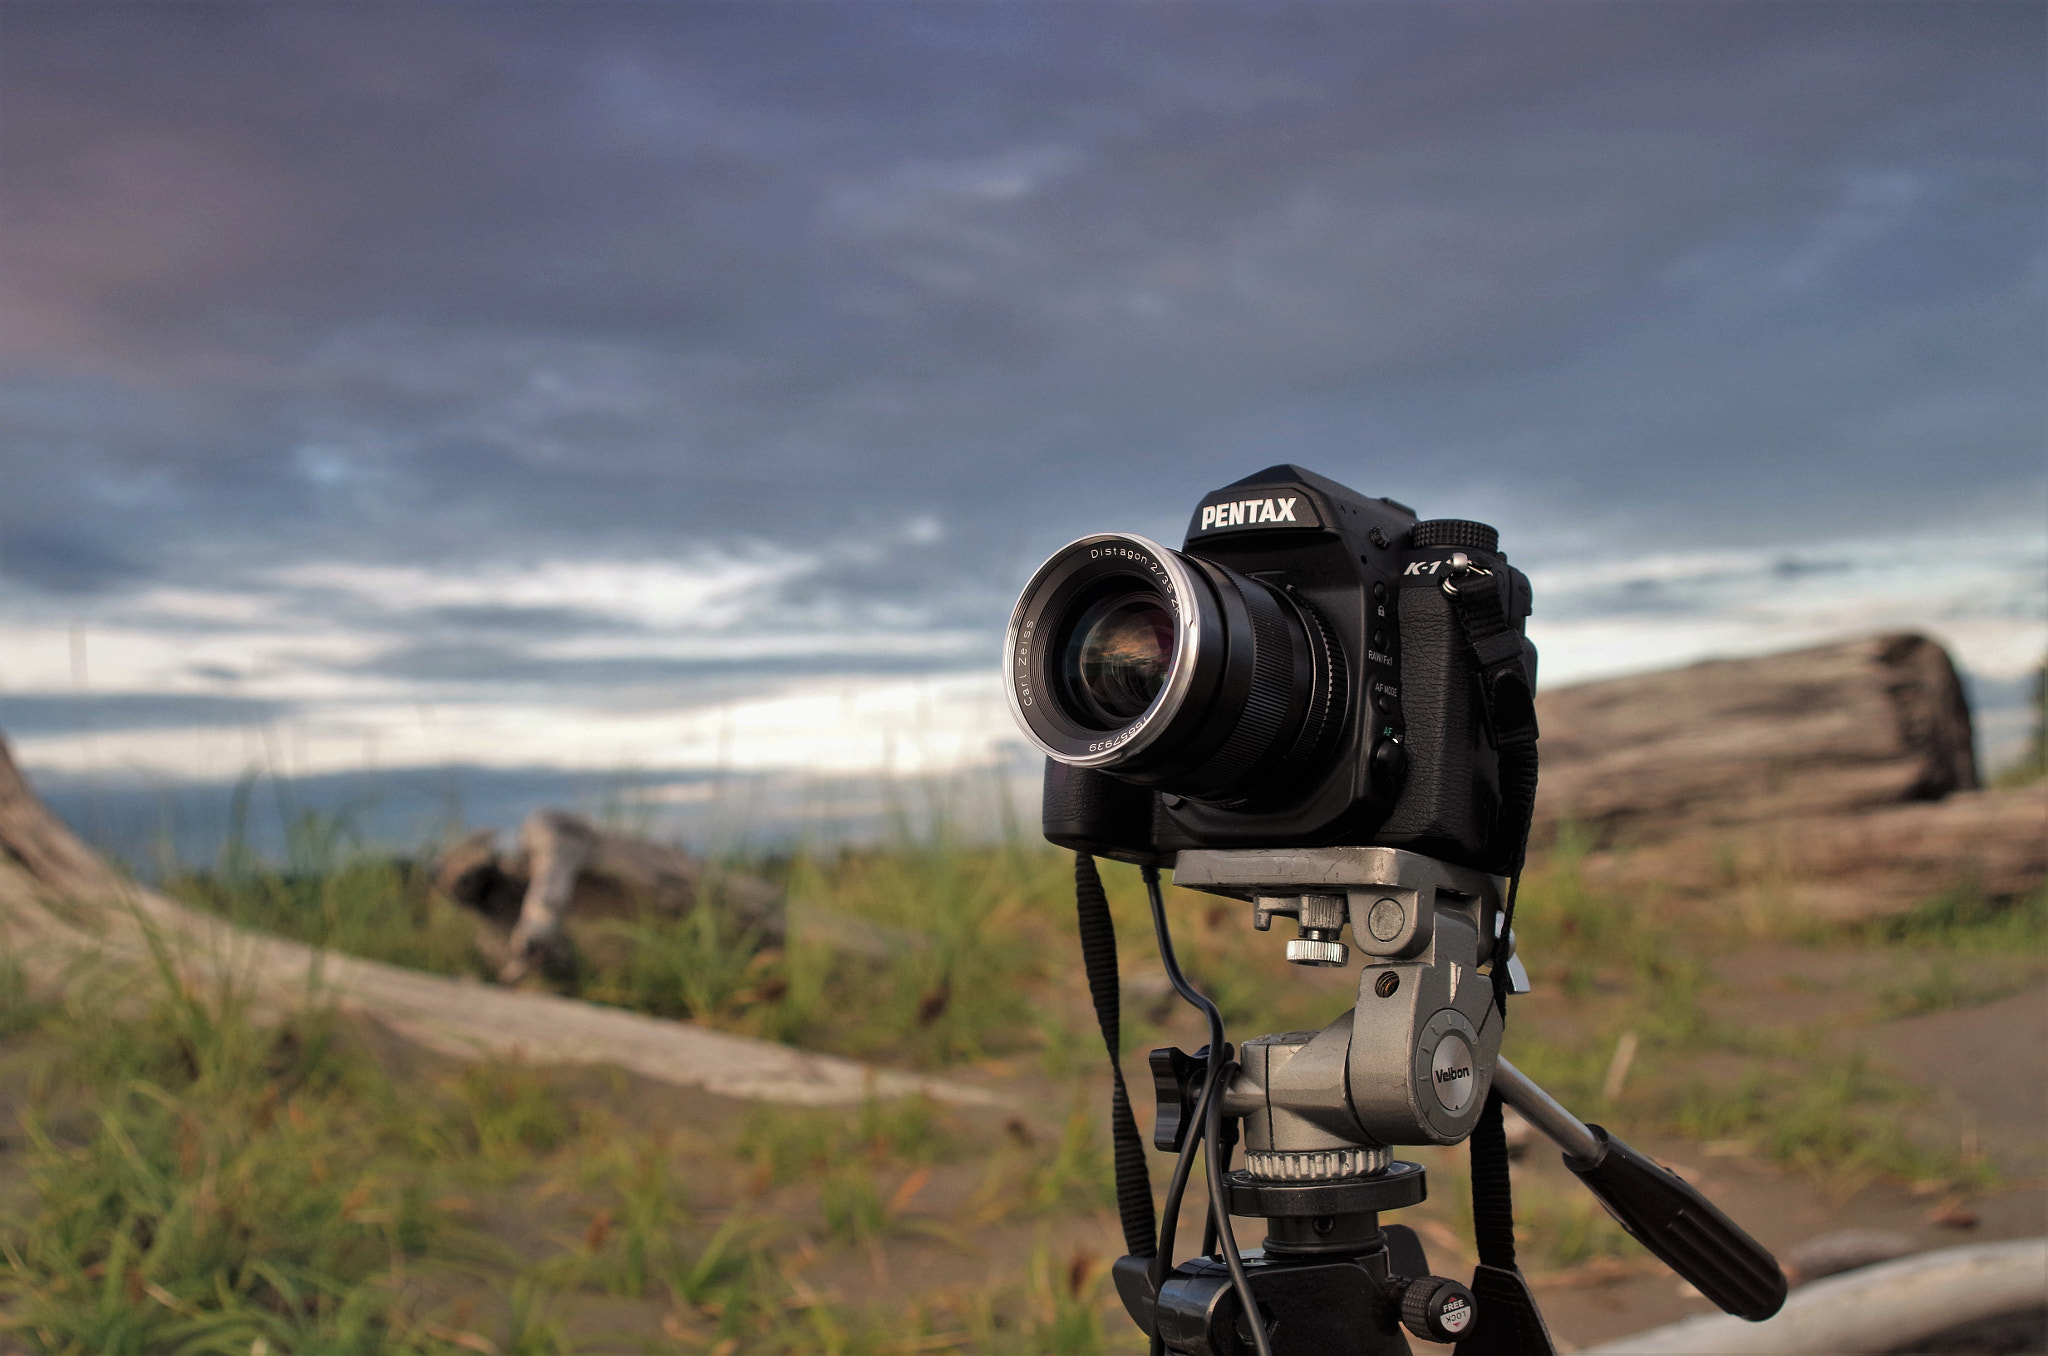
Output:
x,y
1509,703
1509,1323
1508,699
1493,1202
1098,955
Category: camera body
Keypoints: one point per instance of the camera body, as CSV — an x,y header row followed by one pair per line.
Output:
x,y
1304,676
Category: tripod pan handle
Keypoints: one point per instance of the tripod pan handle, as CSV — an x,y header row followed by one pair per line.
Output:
x,y
1673,1220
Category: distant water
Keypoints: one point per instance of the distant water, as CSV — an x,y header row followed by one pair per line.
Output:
x,y
149,826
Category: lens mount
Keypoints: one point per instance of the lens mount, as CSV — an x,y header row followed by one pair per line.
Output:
x,y
1172,671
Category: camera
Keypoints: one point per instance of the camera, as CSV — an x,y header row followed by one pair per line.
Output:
x,y
1325,708
1297,674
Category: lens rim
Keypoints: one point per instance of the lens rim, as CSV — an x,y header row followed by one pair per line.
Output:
x,y
1033,689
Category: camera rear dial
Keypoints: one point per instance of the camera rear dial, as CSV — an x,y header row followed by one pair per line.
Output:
x,y
1171,671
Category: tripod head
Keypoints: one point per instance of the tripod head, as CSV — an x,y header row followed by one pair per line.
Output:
x,y
1416,1061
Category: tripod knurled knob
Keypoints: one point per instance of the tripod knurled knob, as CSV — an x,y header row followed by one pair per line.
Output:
x,y
1436,1309
1315,951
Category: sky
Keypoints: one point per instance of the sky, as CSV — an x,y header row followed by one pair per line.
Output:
x,y
675,391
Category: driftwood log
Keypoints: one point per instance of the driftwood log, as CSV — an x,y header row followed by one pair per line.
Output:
x,y
1839,780
1984,845
1832,730
546,903
1982,1297
59,901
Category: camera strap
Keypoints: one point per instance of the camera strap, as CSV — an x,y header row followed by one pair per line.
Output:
x,y
1098,956
1509,1323
1508,702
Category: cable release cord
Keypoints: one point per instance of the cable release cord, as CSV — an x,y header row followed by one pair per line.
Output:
x,y
1210,1119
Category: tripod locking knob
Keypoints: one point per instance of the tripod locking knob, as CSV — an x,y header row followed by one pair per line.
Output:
x,y
1177,1079
1436,1309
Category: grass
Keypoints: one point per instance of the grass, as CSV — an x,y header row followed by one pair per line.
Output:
x,y
1963,922
194,1179
199,1182
784,1145
331,890
982,968
1801,1096
1835,1117
492,1207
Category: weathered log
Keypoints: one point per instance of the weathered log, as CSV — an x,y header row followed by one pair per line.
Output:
x,y
59,900
1991,845
1927,1302
1832,730
549,900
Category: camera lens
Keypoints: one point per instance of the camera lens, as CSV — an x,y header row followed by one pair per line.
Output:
x,y
1171,671
1117,659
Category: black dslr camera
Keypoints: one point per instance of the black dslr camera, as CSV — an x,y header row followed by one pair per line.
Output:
x,y
1293,676
1325,709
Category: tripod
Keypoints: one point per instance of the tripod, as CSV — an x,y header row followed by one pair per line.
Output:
x,y
1416,1061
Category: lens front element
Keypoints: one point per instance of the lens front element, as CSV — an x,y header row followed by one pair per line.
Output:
x,y
1117,657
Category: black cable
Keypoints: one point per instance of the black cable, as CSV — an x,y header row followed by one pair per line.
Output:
x,y
1209,1221
1212,1118
1176,1189
1162,1261
1219,1214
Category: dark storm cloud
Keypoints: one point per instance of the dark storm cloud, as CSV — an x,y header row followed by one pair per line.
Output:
x,y
478,664
420,283
63,562
39,713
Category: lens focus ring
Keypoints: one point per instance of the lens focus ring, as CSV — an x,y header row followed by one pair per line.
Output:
x,y
1267,699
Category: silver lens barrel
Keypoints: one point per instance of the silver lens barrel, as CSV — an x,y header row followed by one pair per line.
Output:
x,y
1042,691
1168,670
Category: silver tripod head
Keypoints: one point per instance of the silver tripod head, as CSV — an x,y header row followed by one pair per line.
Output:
x,y
1412,1062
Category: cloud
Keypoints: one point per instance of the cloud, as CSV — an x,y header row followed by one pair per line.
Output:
x,y
60,562
362,283
44,713
1984,595
370,359
495,665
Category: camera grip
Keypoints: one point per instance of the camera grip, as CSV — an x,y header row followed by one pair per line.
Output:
x,y
1668,1216
1095,813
